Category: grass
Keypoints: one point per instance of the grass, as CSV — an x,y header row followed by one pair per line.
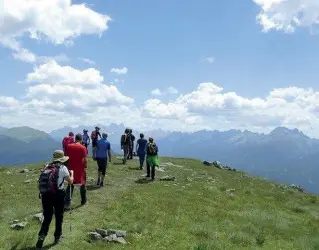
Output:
x,y
205,208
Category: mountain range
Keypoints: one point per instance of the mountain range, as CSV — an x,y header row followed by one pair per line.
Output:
x,y
286,155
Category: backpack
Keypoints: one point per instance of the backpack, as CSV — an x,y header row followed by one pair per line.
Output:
x,y
152,149
48,179
94,135
66,141
125,139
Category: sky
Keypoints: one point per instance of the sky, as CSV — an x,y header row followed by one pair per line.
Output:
x,y
175,65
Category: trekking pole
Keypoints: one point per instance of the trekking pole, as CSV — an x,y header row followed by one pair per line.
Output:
x,y
70,208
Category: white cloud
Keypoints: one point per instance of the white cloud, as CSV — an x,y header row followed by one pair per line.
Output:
x,y
172,90
156,92
53,73
24,55
56,21
287,15
210,59
122,71
58,58
50,104
86,60
169,90
210,107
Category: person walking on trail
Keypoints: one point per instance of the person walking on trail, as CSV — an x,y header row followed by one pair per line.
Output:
x,y
152,160
52,194
66,141
131,145
86,139
141,149
94,137
125,144
103,154
78,163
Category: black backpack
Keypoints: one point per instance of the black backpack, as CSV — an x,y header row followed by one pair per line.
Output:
x,y
126,139
152,149
48,180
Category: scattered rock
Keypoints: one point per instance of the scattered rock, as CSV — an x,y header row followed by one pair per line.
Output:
x,y
19,226
95,236
15,221
299,188
8,172
231,190
27,181
108,235
159,169
207,163
102,232
24,171
218,165
168,178
38,217
121,240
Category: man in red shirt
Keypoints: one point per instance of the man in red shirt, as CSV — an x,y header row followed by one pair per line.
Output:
x,y
66,141
78,163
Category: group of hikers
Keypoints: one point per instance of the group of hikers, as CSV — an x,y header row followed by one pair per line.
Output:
x,y
70,165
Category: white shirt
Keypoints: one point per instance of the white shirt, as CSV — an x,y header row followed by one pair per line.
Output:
x,y
63,173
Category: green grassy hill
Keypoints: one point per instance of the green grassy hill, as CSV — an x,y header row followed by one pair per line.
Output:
x,y
205,208
25,134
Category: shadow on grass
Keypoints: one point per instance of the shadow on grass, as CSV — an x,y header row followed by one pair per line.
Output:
x,y
117,163
136,168
143,181
34,248
92,187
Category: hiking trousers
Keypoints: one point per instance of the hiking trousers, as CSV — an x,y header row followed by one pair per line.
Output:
x,y
142,159
68,197
50,202
150,170
130,154
126,152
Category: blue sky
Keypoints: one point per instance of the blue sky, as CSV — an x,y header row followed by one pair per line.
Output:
x,y
166,44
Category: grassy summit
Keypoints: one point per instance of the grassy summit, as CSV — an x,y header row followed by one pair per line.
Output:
x,y
205,208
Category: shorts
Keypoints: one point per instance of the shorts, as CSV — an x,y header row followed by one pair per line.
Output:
x,y
102,165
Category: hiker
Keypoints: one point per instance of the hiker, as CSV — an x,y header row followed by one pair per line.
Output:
x,y
141,149
78,163
86,139
130,156
151,158
66,141
52,194
94,137
125,144
103,153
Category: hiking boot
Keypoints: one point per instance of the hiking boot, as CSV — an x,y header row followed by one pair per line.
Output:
x,y
83,202
101,184
57,240
40,242
98,183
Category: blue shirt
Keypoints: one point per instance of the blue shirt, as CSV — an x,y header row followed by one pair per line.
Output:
x,y
141,146
85,138
102,147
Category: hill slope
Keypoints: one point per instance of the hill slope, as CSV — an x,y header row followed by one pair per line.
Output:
x,y
205,208
286,155
23,145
